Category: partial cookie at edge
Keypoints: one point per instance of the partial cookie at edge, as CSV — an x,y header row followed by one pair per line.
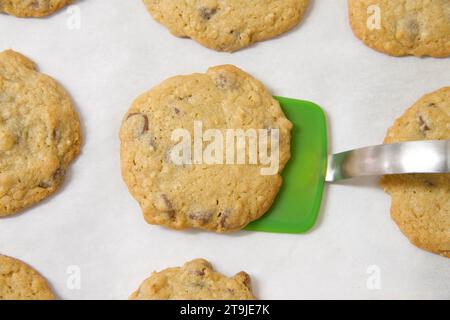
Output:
x,y
195,280
19,281
39,134
32,8
421,202
228,25
420,28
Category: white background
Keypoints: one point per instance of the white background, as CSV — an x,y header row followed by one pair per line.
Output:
x,y
118,53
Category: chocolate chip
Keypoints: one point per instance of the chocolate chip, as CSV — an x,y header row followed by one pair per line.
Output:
x,y
171,214
163,204
58,175
429,184
245,279
145,120
182,98
177,111
44,185
432,105
199,273
223,217
56,134
206,13
170,211
201,217
423,125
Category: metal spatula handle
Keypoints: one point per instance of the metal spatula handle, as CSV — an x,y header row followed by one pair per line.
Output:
x,y
431,156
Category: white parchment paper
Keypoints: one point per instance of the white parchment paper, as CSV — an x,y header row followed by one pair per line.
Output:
x,y
93,225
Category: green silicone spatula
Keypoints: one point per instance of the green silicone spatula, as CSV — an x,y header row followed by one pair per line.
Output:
x,y
298,203
297,206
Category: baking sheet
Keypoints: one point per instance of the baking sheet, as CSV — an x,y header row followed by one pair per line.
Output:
x,y
94,228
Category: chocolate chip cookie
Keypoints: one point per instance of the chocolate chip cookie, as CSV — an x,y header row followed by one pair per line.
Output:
x,y
39,134
218,195
227,25
421,202
196,280
31,8
403,27
18,281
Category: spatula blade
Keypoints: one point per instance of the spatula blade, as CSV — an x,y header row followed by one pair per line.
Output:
x,y
297,206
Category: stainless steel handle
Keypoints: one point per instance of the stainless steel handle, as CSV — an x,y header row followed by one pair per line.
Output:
x,y
431,156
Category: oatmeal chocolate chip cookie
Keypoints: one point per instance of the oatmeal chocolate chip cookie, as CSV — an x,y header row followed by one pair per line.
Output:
x,y
196,280
39,134
218,197
227,25
403,27
421,202
18,281
31,8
